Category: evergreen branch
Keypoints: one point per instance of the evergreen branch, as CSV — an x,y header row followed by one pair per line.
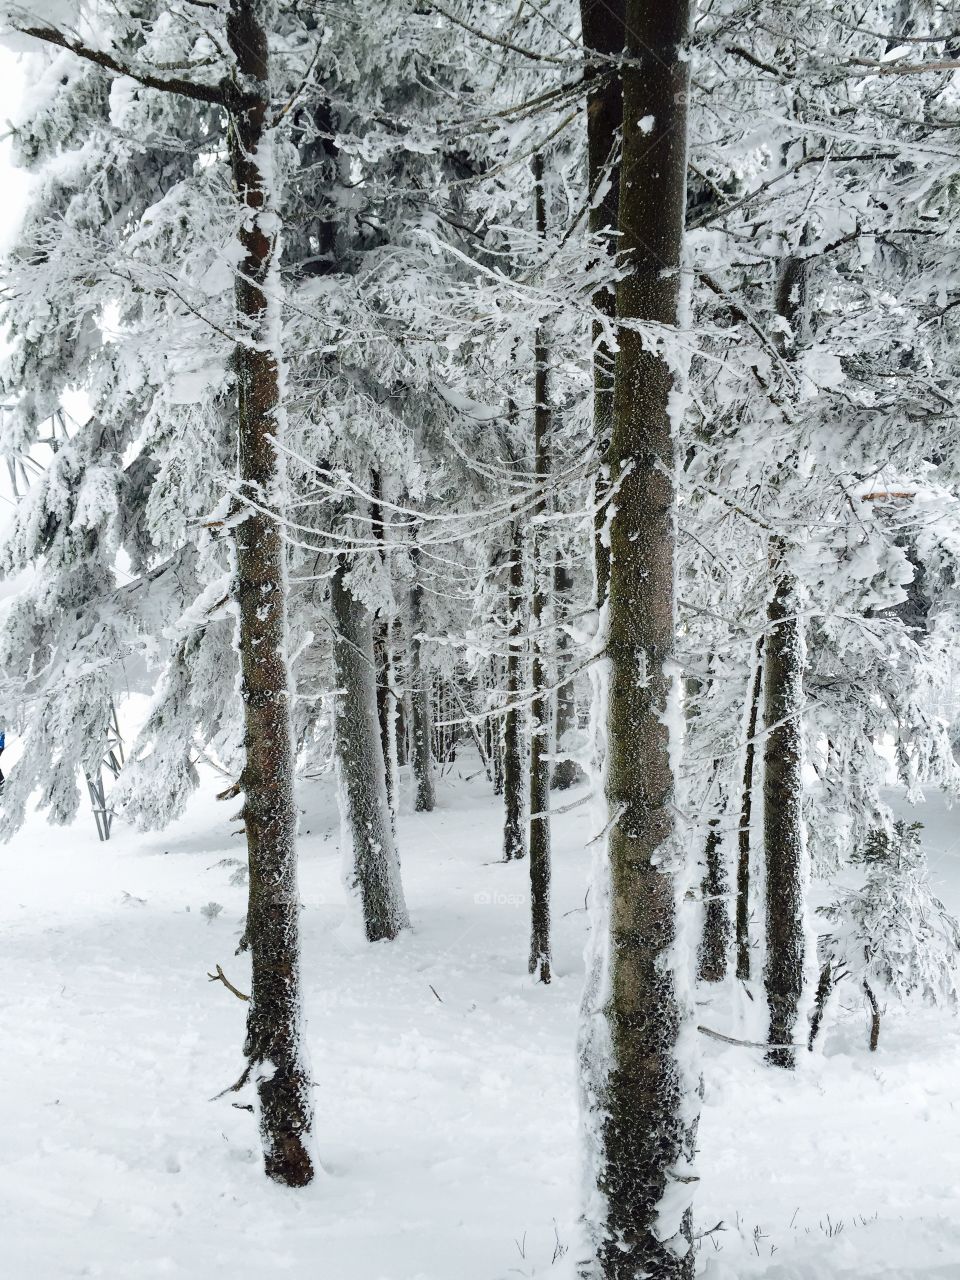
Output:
x,y
497,40
108,62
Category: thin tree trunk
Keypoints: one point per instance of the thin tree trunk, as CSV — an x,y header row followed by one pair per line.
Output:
x,y
273,1046
602,23
746,817
514,844
874,1017
639,1092
372,866
783,834
420,700
386,703
494,726
541,705
824,990
566,771
783,811
715,940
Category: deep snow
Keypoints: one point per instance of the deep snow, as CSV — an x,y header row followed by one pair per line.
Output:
x,y
445,1081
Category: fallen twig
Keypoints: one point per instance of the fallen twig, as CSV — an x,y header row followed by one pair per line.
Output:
x,y
746,1044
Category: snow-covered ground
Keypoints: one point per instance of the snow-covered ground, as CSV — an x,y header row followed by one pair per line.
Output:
x,y
445,1081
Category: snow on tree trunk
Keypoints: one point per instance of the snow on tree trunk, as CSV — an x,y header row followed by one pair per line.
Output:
x,y
372,868
566,771
715,939
514,845
783,834
541,703
383,651
783,839
746,817
639,1086
602,23
420,701
273,1041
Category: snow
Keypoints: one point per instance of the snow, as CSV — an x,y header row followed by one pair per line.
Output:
x,y
445,1080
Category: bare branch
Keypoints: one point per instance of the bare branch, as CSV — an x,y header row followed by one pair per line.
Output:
x,y
220,976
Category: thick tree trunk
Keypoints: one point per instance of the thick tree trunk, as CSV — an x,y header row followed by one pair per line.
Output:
x,y
783,972
420,702
746,817
639,1091
541,703
514,844
371,864
273,1045
566,771
602,23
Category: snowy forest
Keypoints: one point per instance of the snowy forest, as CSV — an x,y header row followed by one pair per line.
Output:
x,y
480,639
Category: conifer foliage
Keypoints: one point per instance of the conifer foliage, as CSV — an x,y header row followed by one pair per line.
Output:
x,y
559,394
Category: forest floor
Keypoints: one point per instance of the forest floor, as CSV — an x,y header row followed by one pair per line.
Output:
x,y
446,1109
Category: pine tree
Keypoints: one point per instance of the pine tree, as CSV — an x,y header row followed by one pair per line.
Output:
x,y
641,1108
892,936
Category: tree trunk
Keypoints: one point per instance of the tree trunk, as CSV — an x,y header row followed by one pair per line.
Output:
x,y
874,1016
712,958
783,834
387,711
371,864
746,817
541,703
386,702
637,1085
514,845
273,1045
420,702
783,811
602,23
566,771
824,991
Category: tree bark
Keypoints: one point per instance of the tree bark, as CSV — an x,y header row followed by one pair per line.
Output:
x,y
514,844
602,23
825,987
420,701
746,817
783,834
386,702
273,1046
874,1016
637,1082
783,811
566,771
715,940
372,865
540,706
